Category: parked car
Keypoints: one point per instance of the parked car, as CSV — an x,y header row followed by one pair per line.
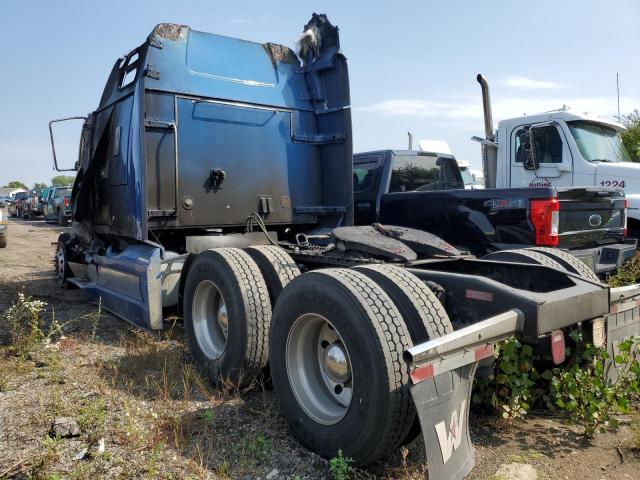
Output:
x,y
19,204
4,217
57,205
33,205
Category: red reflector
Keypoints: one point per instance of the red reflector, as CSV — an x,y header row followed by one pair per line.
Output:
x,y
545,217
479,295
422,373
484,352
626,207
558,353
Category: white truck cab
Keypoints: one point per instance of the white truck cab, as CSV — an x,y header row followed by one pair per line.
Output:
x,y
571,149
560,148
473,179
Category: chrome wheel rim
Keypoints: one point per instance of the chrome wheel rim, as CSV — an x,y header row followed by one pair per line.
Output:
x,y
319,369
210,319
60,263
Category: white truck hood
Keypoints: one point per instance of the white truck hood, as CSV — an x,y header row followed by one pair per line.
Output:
x,y
625,175
618,171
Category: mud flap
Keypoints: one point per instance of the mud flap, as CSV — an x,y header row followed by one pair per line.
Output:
x,y
442,372
622,323
443,405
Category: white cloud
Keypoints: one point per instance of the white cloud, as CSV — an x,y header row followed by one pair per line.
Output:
x,y
524,83
470,108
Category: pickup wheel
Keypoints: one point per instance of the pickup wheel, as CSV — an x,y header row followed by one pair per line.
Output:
x,y
336,348
525,256
277,267
3,241
227,315
569,262
62,221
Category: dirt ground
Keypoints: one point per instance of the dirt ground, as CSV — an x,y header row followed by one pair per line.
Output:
x,y
145,413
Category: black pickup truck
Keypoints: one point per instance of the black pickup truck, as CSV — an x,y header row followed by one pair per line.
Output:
x,y
424,190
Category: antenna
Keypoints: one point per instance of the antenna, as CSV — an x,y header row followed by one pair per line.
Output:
x,y
618,90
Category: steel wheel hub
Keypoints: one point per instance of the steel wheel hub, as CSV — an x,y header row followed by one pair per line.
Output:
x,y
60,261
210,319
319,369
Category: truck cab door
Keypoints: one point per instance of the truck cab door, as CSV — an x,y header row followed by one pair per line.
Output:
x,y
552,152
367,173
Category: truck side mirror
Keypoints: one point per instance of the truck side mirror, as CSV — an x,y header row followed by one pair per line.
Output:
x,y
527,142
69,137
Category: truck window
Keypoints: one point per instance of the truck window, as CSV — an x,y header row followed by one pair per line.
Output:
x,y
421,172
548,145
363,175
63,192
598,143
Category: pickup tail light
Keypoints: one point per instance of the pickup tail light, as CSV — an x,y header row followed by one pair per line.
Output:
x,y
625,216
545,217
66,201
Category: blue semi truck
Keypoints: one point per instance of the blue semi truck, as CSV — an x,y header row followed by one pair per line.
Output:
x,y
215,177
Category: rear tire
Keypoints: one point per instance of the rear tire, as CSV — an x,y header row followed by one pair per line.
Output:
x,y
3,241
62,221
368,326
227,315
569,262
61,263
277,267
524,256
422,312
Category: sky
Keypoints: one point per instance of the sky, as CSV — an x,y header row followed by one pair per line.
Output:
x,y
412,64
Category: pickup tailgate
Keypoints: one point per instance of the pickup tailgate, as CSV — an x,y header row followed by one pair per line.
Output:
x,y
590,216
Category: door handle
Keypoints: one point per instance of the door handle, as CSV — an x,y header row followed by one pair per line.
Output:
x,y
363,205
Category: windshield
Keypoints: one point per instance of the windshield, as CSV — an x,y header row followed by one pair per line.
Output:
x,y
467,178
597,142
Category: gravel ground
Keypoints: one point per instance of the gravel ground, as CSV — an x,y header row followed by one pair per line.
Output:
x,y
139,397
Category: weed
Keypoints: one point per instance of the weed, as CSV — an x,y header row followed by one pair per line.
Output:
x,y
208,416
151,468
22,326
4,382
585,395
91,418
223,469
340,466
628,274
511,389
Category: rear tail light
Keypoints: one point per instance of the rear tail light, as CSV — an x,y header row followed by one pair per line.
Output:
x,y
545,217
624,215
66,201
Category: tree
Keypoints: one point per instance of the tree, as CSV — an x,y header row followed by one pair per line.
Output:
x,y
39,186
631,136
62,180
16,184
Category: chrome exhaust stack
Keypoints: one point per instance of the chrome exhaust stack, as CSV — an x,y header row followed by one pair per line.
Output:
x,y
489,147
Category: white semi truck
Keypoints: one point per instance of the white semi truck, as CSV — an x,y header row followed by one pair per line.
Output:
x,y
560,148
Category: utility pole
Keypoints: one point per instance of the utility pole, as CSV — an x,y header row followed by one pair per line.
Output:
x,y
618,90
